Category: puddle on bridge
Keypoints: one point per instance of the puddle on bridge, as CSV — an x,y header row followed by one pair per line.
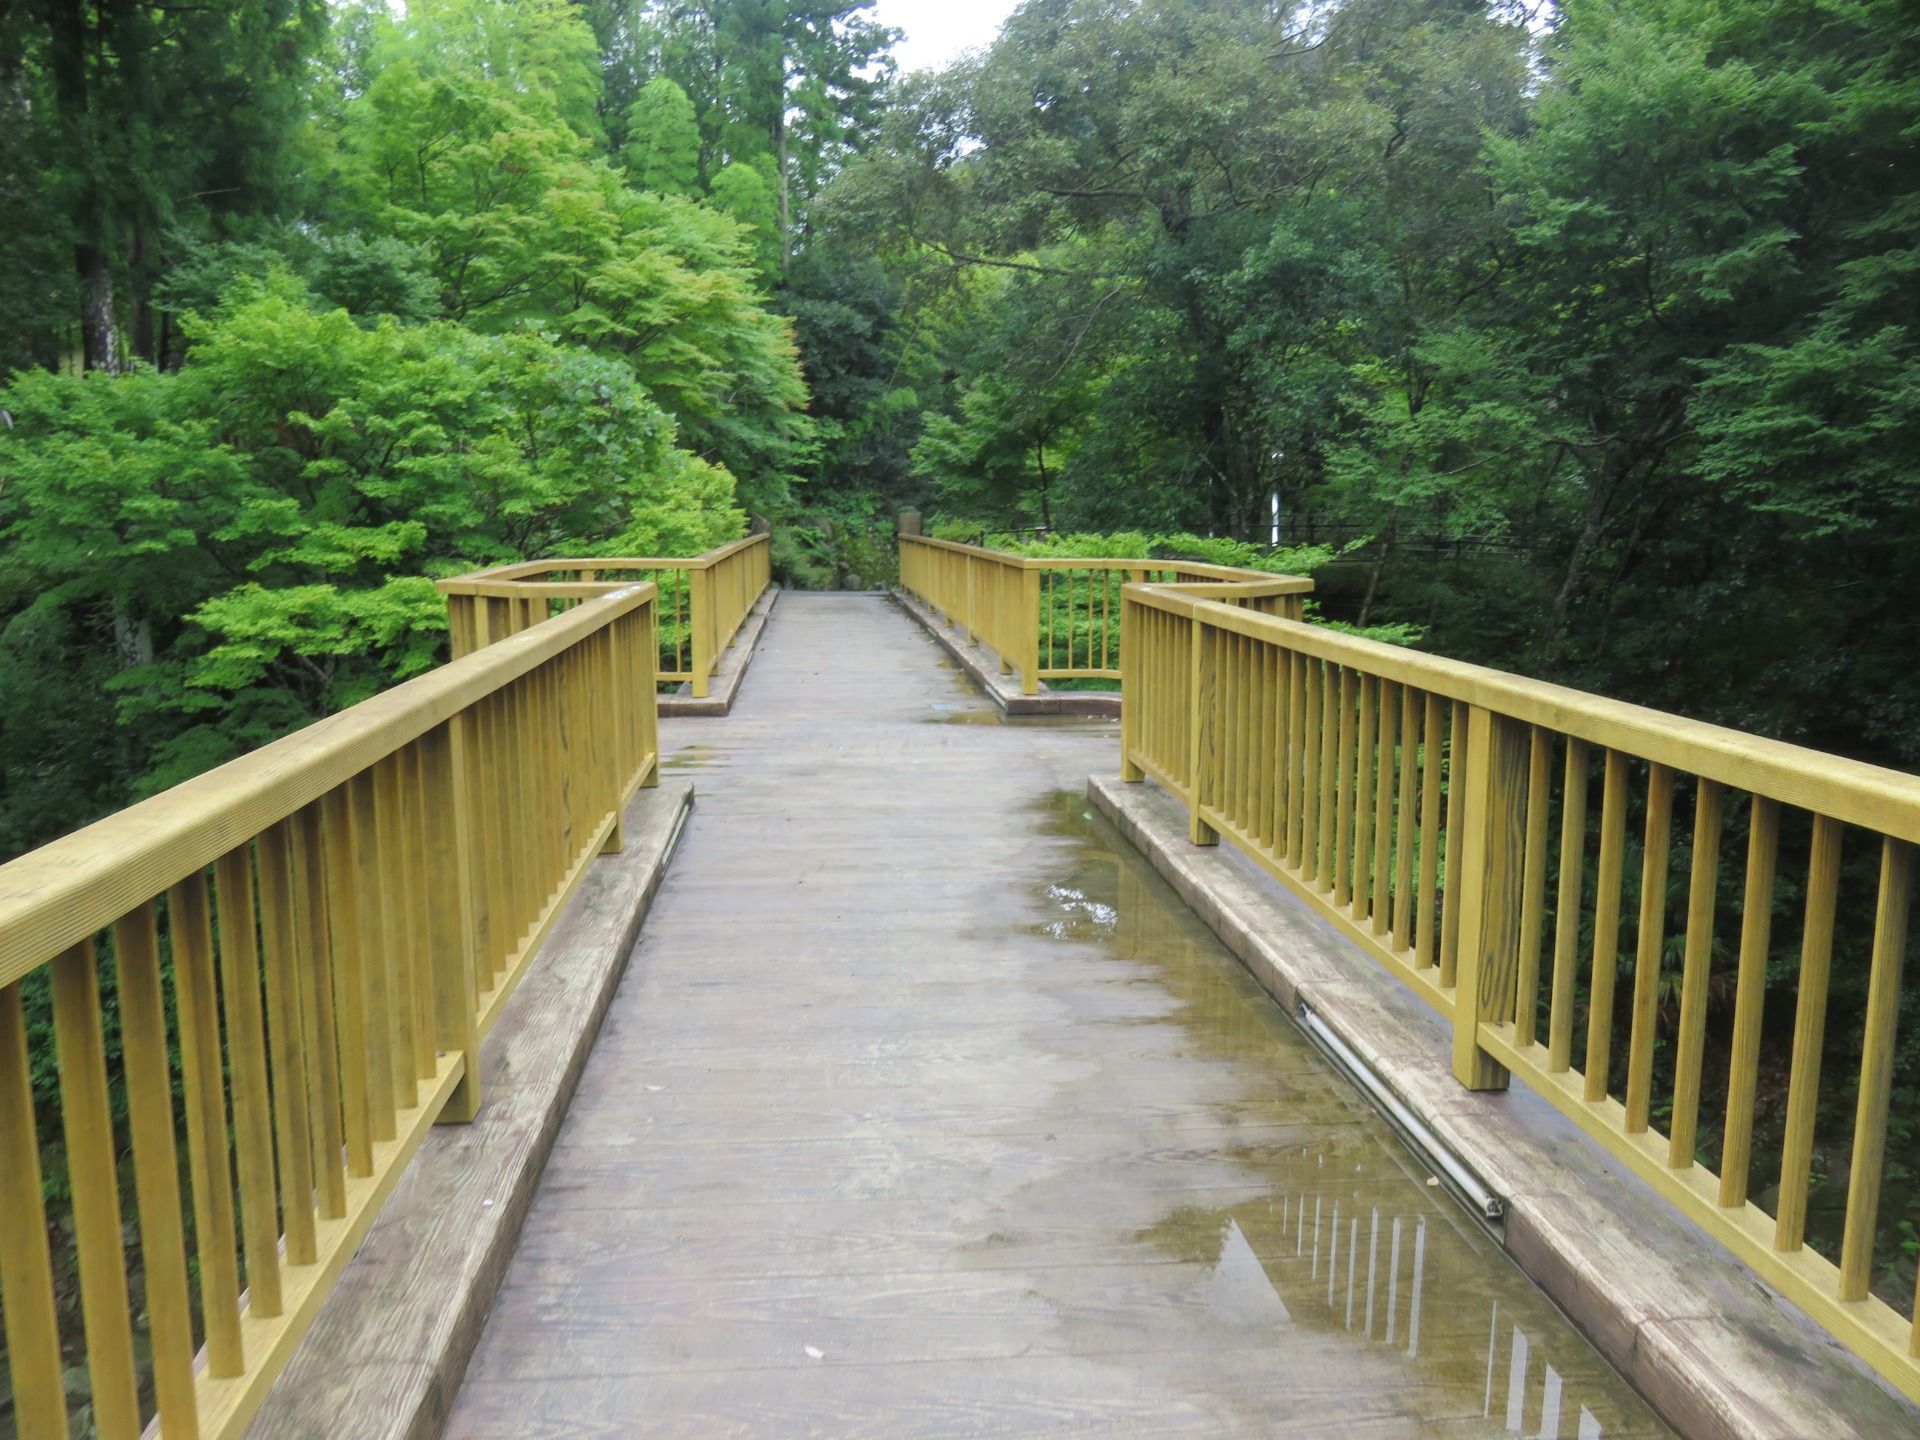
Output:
x,y
970,707
1338,1247
693,757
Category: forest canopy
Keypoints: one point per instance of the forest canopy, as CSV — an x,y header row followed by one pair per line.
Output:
x,y
1580,337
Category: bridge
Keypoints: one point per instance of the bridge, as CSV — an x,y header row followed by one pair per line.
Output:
x,y
920,1048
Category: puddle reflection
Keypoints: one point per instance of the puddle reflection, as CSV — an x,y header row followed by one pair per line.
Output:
x,y
1353,1245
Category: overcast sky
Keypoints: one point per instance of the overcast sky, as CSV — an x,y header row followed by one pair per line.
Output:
x,y
938,30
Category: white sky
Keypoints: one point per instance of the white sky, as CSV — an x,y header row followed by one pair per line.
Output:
x,y
938,30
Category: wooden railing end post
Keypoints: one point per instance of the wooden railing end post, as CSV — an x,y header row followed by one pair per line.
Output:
x,y
1492,842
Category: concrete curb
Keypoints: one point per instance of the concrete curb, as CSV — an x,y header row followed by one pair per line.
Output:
x,y
731,670
984,667
1719,1353
390,1346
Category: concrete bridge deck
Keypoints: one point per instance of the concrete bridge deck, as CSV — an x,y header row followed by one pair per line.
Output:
x,y
925,1108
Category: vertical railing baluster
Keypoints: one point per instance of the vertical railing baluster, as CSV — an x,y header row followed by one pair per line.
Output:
x,y
1299,724
413,883
1648,939
1606,927
1283,739
1749,999
1533,885
1432,752
1312,711
1458,776
1410,702
394,966
314,961
1381,903
1809,1031
375,958
1876,1068
26,1265
156,1168
1360,880
1333,686
451,904
1566,920
86,1117
215,1243
1267,762
1695,965
247,1057
286,1042
700,617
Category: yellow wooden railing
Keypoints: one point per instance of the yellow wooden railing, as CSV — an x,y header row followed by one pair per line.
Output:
x,y
1413,801
342,914
703,601
1054,618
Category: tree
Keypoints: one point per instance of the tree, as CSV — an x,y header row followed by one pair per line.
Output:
x,y
796,86
523,225
662,151
139,119
1226,162
231,550
742,193
866,372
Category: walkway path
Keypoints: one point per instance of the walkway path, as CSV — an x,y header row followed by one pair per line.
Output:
x,y
924,1110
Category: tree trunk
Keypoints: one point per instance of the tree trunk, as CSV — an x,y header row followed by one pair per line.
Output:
x,y
132,640
1379,562
99,334
1577,560
1046,506
140,297
780,155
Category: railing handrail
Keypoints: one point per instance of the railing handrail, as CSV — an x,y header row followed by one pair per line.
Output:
x,y
706,601
514,578
1030,609
1853,791
56,896
1282,584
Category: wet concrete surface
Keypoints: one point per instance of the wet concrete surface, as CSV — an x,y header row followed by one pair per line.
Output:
x,y
926,1109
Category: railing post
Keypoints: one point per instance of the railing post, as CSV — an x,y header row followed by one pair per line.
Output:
x,y
451,896
1130,697
1030,637
1491,857
649,710
969,624
1005,584
459,625
700,617
1202,678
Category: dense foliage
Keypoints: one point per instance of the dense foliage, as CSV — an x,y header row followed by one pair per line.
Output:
x,y
1599,319
416,311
